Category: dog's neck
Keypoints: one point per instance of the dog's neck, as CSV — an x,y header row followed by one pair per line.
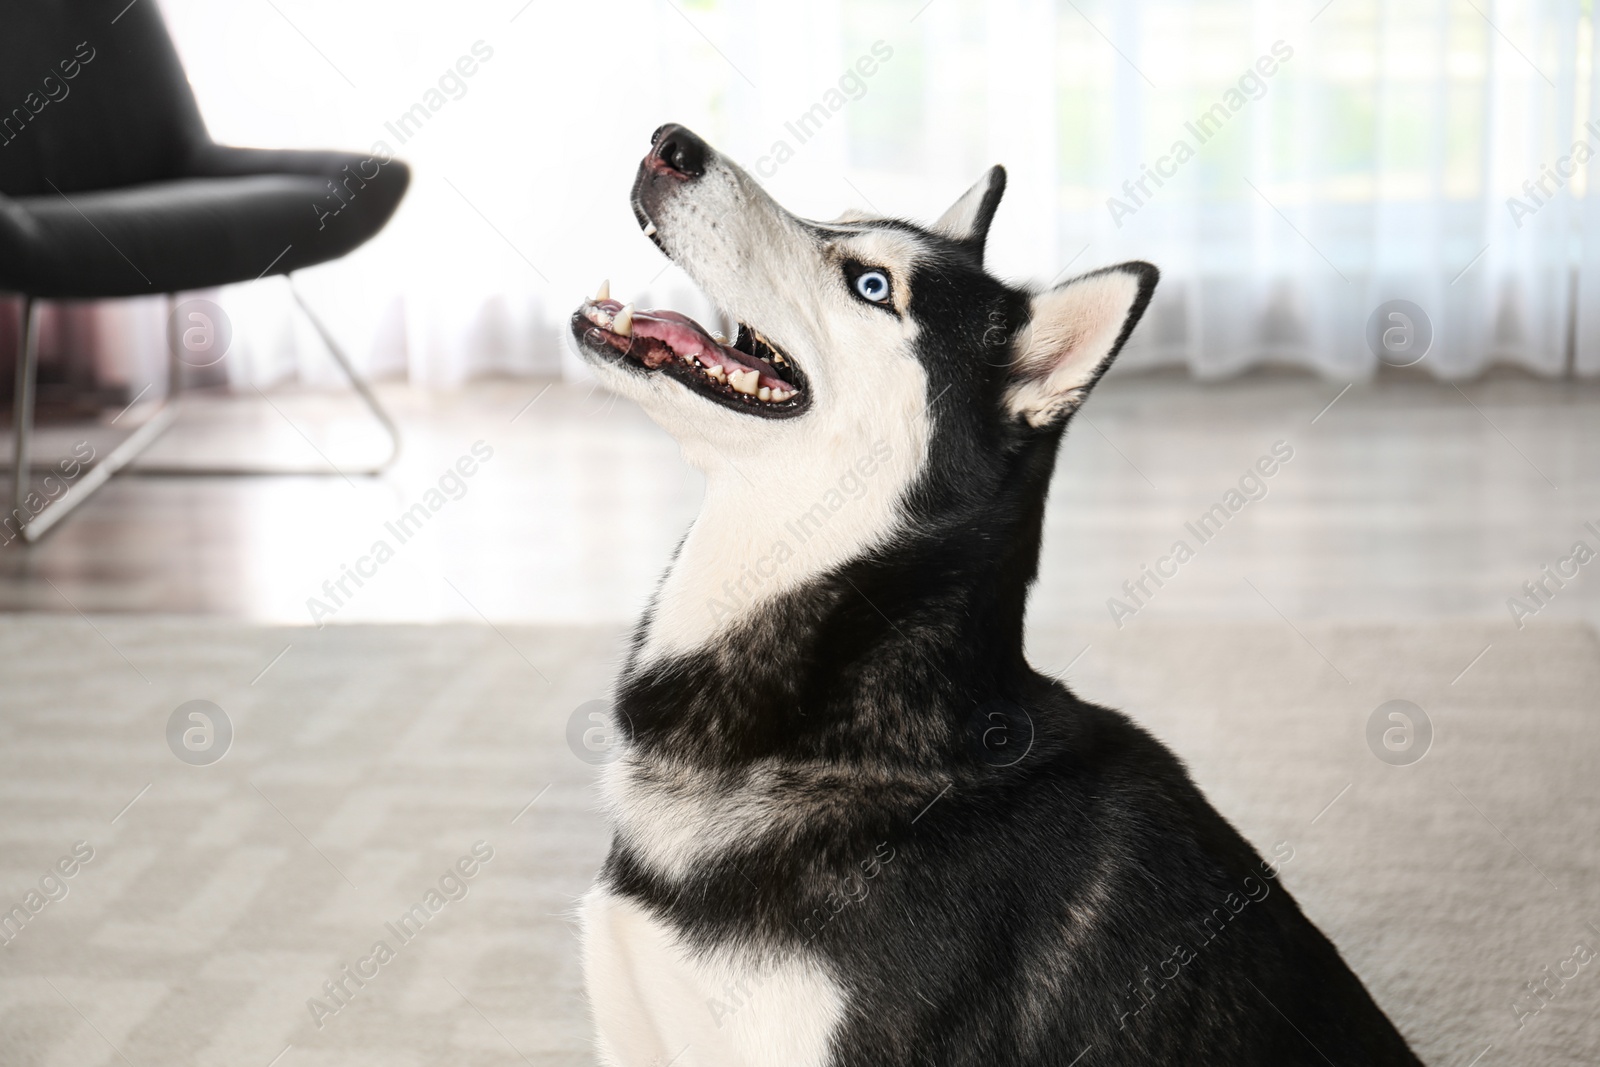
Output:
x,y
898,637
768,529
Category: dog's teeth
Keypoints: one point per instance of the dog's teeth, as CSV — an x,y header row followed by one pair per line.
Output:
x,y
764,393
744,381
716,371
604,292
650,230
780,395
623,323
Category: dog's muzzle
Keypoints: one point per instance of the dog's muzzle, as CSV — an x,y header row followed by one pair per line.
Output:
x,y
677,157
749,374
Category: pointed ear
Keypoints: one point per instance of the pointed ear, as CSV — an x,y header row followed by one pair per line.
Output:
x,y
968,218
1075,332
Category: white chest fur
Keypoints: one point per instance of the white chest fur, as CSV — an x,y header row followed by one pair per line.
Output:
x,y
656,1002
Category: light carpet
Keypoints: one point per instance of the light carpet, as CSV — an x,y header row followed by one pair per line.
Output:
x,y
368,762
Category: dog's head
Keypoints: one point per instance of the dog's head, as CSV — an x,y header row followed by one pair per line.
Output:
x,y
863,342
840,322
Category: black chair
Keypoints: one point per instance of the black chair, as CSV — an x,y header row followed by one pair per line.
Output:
x,y
111,187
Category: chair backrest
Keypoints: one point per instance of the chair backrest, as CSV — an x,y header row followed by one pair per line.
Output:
x,y
92,96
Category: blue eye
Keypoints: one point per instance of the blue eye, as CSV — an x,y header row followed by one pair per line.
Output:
x,y
873,285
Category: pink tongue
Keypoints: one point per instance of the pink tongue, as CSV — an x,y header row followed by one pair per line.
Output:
x,y
685,337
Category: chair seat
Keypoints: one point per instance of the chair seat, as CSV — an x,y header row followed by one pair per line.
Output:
x,y
190,233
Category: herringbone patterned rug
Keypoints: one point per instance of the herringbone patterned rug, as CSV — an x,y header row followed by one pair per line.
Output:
x,y
414,788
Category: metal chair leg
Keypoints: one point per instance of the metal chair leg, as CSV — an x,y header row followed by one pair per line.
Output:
x,y
27,372
359,384
33,527
157,424
101,472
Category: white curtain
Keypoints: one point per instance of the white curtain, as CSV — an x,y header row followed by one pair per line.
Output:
x,y
1335,156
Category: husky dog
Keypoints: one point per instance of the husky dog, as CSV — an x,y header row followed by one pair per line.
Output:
x,y
852,825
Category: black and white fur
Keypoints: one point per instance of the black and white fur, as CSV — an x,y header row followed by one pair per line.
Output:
x,y
819,857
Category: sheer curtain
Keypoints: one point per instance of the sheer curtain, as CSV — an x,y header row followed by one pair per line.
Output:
x,y
1360,153
1291,166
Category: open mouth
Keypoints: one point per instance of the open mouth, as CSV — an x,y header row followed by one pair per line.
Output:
x,y
748,374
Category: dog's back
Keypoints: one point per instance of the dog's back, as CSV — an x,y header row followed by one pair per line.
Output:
x,y
1088,902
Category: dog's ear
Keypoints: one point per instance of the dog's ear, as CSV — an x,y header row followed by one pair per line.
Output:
x,y
968,218
1075,331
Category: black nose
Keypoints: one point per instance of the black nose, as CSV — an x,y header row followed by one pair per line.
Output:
x,y
679,149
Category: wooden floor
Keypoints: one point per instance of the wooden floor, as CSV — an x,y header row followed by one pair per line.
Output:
x,y
1403,500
